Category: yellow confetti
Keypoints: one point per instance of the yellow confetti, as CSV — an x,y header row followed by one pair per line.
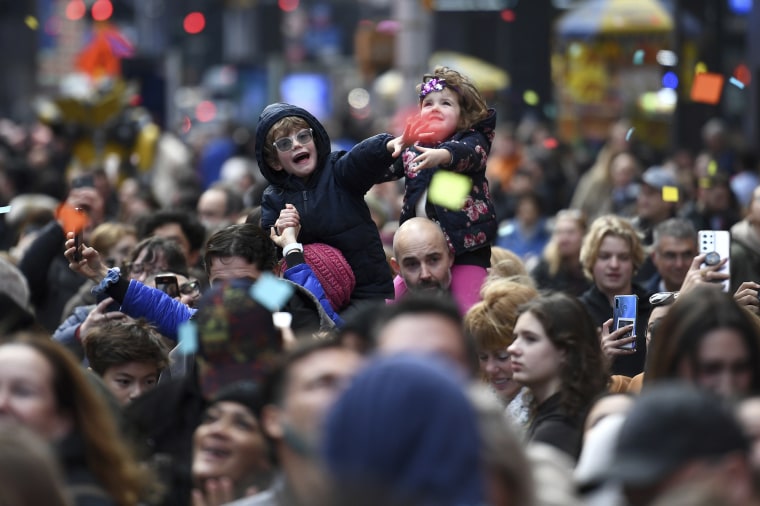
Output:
x,y
449,189
32,22
712,168
704,183
670,193
530,97
700,67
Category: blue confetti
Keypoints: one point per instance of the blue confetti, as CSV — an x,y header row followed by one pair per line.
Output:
x,y
187,335
271,292
628,134
736,83
638,57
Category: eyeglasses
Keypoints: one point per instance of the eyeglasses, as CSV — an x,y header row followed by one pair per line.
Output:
x,y
190,288
135,269
662,298
285,144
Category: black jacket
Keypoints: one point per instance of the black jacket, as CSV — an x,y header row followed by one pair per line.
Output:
x,y
51,282
331,201
554,427
600,310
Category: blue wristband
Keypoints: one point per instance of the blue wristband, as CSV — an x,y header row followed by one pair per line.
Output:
x,y
114,274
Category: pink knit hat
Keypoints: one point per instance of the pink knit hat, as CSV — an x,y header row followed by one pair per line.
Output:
x,y
332,271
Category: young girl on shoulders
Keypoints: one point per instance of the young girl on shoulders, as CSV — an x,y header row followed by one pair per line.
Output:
x,y
456,129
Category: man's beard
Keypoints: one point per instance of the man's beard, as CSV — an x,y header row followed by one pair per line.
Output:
x,y
431,287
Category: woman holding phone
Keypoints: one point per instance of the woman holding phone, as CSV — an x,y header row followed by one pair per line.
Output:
x,y
556,354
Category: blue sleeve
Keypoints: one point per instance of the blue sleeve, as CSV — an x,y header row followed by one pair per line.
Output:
x,y
165,313
269,212
302,274
368,163
66,333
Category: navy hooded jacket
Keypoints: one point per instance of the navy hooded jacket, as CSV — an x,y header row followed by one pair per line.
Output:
x,y
331,201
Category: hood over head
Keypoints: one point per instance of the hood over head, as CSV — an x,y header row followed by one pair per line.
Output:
x,y
271,115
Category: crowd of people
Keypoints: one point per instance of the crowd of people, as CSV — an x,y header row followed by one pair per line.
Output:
x,y
290,324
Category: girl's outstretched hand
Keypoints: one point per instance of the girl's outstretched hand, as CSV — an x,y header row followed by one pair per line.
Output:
x,y
416,130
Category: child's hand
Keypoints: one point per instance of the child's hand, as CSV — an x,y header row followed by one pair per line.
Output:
x,y
430,157
289,217
415,131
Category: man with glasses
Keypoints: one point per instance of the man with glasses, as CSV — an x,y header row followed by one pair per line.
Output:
x,y
674,248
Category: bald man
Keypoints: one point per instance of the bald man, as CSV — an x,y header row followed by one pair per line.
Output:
x,y
421,257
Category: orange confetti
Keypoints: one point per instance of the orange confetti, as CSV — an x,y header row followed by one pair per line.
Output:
x,y
71,219
707,87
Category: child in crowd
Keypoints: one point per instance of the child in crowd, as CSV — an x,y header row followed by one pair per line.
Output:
x,y
128,355
323,192
455,129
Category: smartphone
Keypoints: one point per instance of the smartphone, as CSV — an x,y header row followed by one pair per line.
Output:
x,y
716,245
83,181
78,238
168,284
624,314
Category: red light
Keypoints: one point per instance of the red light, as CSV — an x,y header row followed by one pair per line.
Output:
x,y
205,111
102,10
288,5
551,143
742,73
75,9
508,15
194,22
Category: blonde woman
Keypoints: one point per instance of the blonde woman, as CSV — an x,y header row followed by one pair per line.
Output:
x,y
560,265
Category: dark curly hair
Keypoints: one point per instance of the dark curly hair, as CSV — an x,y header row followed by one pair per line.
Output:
x,y
570,328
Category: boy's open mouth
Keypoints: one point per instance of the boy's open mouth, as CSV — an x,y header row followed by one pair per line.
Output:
x,y
301,157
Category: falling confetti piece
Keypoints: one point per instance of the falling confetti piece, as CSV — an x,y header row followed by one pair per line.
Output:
x,y
638,57
32,22
629,134
670,193
5,209
736,83
187,335
449,189
712,168
530,97
707,88
700,67
271,292
704,183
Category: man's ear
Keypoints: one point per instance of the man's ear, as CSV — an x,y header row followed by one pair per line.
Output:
x,y
271,421
395,266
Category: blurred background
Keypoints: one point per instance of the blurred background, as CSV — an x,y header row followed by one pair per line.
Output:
x,y
197,66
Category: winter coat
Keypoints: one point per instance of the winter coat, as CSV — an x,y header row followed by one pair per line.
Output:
x,y
331,201
51,282
474,226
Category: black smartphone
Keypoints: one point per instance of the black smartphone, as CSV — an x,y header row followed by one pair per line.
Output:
x,y
168,284
78,239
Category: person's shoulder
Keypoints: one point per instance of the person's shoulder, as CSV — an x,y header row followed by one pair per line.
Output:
x,y
265,498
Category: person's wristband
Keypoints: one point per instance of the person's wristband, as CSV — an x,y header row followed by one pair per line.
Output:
x,y
114,274
296,246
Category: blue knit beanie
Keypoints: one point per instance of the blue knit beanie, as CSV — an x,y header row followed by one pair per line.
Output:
x,y
405,431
